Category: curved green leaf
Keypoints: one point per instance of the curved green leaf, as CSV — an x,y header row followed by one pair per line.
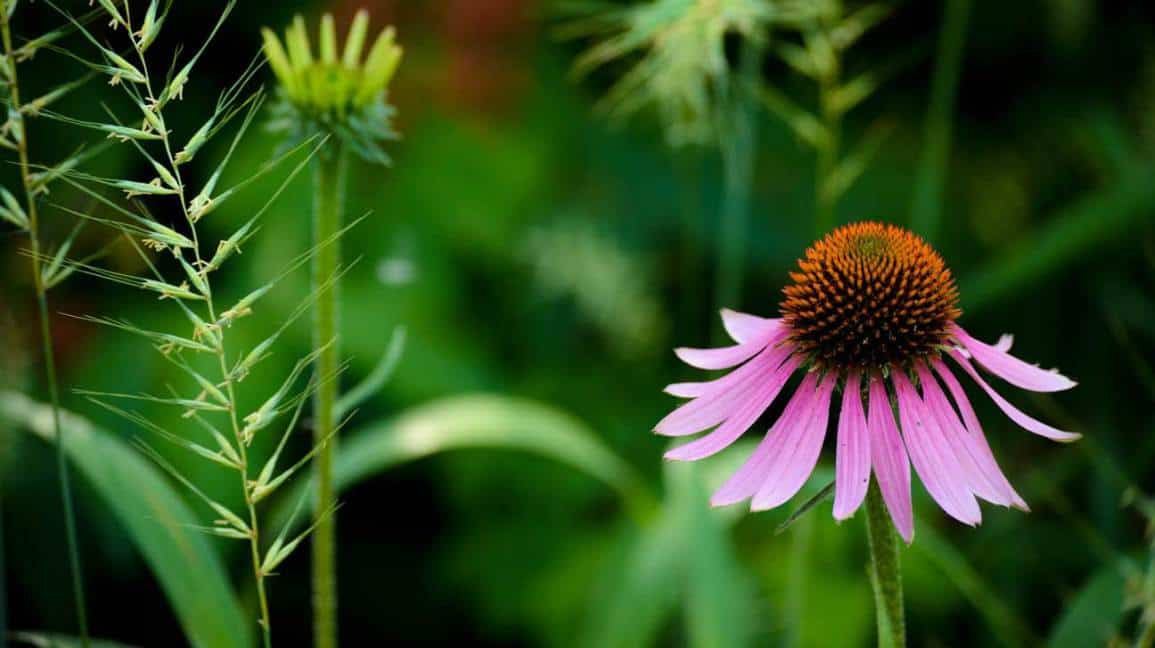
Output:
x,y
479,421
155,517
48,640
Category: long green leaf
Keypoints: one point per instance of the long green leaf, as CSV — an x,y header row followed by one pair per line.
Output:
x,y
1095,613
1068,236
926,210
155,517
48,640
480,421
684,556
720,596
639,591
1004,622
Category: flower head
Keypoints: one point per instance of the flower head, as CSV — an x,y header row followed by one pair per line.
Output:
x,y
330,93
871,311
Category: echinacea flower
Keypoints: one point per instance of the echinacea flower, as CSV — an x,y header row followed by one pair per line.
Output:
x,y
871,311
337,94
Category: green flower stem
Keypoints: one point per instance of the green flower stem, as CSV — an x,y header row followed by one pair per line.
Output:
x,y
885,574
47,347
328,193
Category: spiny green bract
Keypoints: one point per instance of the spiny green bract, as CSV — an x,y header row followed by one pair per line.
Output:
x,y
343,96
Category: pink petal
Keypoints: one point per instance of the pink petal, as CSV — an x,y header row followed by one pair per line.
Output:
x,y
737,424
686,389
745,482
981,450
930,456
1015,414
1005,342
696,389
889,458
792,467
852,456
720,358
724,397
978,480
743,327
708,387
1010,368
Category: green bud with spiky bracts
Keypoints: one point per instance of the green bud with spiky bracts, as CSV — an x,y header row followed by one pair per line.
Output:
x,y
337,91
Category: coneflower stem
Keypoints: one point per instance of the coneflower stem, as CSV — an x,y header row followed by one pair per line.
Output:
x,y
885,574
328,194
736,140
47,347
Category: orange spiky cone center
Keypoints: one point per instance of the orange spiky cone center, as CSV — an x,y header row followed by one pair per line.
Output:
x,y
869,296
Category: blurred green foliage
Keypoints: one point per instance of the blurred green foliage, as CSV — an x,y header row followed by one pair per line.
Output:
x,y
532,250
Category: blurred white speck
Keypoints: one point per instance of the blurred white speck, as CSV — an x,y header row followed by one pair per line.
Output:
x,y
396,271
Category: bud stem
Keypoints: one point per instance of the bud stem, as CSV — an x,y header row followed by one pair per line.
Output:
x,y
328,194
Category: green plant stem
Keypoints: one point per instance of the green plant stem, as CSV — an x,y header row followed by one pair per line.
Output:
x,y
825,198
328,193
885,575
737,137
926,210
47,347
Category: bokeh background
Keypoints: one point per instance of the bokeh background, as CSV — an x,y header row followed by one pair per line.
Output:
x,y
532,247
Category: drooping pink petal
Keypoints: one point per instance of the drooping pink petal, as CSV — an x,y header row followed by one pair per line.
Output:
x,y
695,389
981,450
852,455
708,387
737,424
978,479
889,459
931,456
794,464
685,389
1014,413
724,397
745,482
743,327
724,357
1010,368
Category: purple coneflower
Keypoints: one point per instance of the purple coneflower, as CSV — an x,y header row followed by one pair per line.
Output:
x,y
871,310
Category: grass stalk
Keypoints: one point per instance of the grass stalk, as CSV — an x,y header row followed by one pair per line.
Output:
x,y
328,195
926,209
227,377
47,346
